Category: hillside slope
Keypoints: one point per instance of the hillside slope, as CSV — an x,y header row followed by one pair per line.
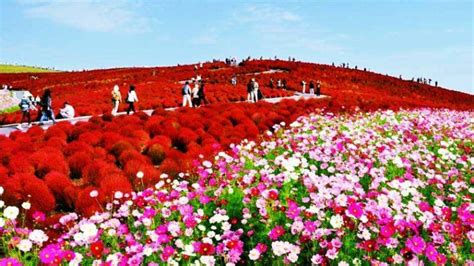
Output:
x,y
89,91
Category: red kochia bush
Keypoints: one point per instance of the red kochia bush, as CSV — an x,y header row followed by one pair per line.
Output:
x,y
87,205
114,183
57,183
48,160
77,162
37,193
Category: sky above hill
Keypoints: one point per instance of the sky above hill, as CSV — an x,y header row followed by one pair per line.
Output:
x,y
431,39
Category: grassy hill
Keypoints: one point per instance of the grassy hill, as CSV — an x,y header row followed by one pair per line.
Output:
x,y
5,68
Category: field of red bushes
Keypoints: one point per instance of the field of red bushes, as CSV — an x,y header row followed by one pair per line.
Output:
x,y
89,91
56,169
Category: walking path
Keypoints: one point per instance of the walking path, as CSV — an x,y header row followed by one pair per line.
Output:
x,y
6,130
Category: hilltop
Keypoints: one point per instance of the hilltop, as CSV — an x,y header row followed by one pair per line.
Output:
x,y
7,68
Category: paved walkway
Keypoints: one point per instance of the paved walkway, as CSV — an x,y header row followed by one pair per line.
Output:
x,y
6,130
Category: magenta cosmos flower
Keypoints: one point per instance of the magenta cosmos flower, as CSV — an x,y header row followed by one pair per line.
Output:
x,y
416,244
355,209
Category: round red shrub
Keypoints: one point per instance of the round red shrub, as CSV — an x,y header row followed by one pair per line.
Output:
x,y
37,193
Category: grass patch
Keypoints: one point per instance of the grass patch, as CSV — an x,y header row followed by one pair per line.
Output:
x,y
10,109
5,68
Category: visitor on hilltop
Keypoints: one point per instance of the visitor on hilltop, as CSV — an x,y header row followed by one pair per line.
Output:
x,y
436,83
201,94
311,87
26,105
318,88
250,91
186,92
195,94
47,112
67,112
116,99
234,80
279,83
131,99
303,85
256,91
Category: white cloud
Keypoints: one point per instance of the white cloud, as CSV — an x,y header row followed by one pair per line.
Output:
x,y
89,15
284,28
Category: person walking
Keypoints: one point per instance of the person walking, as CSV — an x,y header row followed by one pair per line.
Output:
x,y
311,87
318,88
186,92
201,94
270,84
255,90
250,91
303,84
131,99
234,80
195,94
116,99
26,105
47,107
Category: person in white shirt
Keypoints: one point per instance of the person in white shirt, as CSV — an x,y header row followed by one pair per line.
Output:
x,y
131,99
255,90
303,84
195,93
186,92
116,99
66,112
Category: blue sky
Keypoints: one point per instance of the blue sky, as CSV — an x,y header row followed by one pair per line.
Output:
x,y
432,39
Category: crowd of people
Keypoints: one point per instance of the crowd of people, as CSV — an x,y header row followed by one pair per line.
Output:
x,y
312,87
29,103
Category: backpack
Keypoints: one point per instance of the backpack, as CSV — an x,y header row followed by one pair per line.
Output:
x,y
24,104
184,90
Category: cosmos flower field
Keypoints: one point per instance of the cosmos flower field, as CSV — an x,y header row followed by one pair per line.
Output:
x,y
363,188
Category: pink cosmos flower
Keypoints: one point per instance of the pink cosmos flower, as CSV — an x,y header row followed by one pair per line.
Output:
x,y
10,262
431,253
331,253
317,259
441,259
293,210
276,232
262,248
416,244
355,209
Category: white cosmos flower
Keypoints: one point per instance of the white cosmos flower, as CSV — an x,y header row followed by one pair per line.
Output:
x,y
11,212
38,236
93,193
1,190
26,205
254,254
118,195
89,230
336,221
24,245
140,174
